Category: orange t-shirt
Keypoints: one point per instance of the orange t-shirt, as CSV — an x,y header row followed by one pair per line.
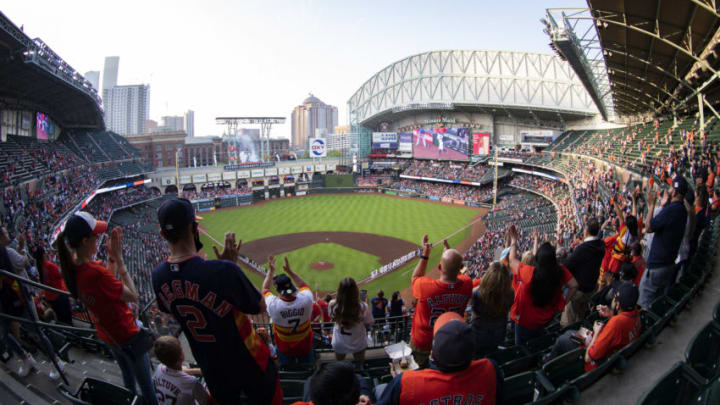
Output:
x,y
100,292
476,384
434,299
53,278
619,331
523,311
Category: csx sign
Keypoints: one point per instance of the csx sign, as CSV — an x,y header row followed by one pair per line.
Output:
x,y
318,147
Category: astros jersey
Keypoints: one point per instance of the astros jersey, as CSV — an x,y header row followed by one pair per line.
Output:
x,y
291,321
435,298
177,388
619,331
209,298
478,384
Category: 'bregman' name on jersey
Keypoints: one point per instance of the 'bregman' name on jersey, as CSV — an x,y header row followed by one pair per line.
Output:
x,y
175,291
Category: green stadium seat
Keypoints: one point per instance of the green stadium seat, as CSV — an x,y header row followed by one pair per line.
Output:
x,y
680,385
541,344
97,392
565,368
664,309
681,294
703,352
60,343
293,390
530,387
514,360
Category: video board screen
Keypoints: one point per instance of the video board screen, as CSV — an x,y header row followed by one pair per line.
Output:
x,y
481,143
441,143
43,126
384,140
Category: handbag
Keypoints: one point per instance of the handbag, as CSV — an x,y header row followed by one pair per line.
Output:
x,y
139,344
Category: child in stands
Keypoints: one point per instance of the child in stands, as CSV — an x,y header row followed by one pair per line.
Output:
x,y
173,384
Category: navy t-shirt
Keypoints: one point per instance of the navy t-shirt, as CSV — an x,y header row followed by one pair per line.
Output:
x,y
669,228
378,307
209,298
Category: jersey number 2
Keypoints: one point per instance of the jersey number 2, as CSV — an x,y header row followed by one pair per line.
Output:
x,y
198,322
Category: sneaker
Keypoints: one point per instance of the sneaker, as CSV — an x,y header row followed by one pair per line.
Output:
x,y
27,365
54,374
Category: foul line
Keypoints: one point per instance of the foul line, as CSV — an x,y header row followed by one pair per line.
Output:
x,y
204,232
447,237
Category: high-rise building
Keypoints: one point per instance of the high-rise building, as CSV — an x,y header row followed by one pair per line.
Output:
x,y
190,123
310,116
110,72
127,108
93,77
173,123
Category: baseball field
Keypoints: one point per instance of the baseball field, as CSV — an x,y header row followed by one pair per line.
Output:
x,y
328,237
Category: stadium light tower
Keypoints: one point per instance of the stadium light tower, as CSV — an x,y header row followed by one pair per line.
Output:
x,y
233,124
177,170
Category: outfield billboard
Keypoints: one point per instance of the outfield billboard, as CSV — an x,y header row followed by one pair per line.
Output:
x,y
384,140
441,143
318,147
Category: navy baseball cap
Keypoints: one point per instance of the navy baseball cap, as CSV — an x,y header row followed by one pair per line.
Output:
x,y
627,295
284,285
680,185
175,214
453,342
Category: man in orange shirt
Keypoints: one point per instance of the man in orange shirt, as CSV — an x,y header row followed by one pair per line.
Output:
x,y
622,328
453,377
450,293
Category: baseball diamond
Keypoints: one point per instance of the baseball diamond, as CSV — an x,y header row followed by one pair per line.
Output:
x,y
381,229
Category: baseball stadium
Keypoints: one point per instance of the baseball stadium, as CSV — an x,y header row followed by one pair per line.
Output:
x,y
502,227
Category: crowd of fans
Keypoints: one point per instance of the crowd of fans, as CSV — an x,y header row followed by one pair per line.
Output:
x,y
446,170
215,192
472,194
586,245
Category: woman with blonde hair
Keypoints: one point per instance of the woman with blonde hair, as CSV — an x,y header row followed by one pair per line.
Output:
x,y
352,318
490,304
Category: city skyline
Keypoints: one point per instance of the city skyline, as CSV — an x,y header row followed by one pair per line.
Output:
x,y
257,58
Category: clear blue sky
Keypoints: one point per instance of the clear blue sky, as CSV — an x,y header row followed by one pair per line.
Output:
x,y
224,57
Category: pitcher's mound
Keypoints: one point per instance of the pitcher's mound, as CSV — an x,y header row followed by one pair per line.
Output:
x,y
321,265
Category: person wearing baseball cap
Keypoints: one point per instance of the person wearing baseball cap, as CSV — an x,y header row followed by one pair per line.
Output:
x,y
106,291
291,315
668,229
210,300
621,329
452,373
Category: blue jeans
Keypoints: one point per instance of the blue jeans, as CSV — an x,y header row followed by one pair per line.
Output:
x,y
653,284
522,335
136,369
306,359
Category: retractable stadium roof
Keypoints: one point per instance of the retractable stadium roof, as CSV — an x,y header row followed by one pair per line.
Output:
x,y
658,54
34,77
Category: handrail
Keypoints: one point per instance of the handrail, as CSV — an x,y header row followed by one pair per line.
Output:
x,y
33,283
47,325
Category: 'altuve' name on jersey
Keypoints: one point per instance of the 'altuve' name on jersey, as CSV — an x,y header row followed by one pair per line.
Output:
x,y
447,299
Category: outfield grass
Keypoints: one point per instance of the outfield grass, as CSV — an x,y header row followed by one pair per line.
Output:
x,y
400,218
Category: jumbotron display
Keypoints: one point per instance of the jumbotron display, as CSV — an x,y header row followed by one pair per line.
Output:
x,y
441,144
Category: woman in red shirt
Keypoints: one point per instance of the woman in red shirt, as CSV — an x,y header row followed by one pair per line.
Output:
x,y
104,294
538,290
50,275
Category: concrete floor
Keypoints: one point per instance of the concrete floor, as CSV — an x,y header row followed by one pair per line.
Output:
x,y
648,365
